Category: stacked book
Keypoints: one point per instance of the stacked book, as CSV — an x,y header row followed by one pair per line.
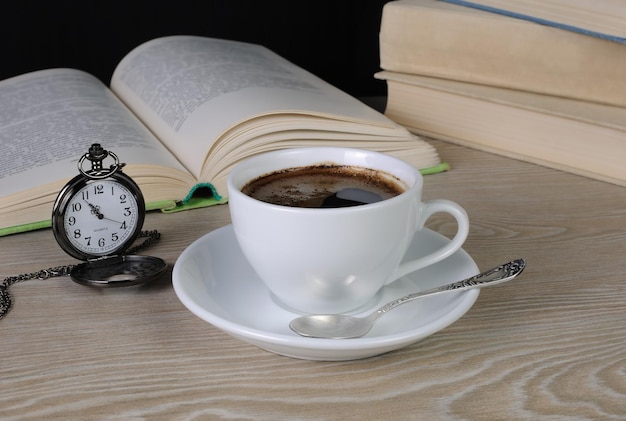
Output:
x,y
540,81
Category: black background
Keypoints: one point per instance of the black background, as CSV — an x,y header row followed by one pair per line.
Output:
x,y
335,39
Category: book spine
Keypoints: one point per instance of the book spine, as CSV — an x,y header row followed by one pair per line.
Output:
x,y
454,42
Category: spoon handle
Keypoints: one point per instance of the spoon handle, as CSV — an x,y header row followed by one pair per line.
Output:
x,y
494,276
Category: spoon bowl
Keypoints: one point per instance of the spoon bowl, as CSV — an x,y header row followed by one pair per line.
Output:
x,y
342,326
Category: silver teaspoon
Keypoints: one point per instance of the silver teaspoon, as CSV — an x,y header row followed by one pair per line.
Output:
x,y
341,326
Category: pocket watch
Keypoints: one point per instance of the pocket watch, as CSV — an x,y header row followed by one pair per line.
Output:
x,y
96,217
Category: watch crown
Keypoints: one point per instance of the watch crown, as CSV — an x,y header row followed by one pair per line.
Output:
x,y
96,154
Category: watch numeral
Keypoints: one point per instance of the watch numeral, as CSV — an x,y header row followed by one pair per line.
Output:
x,y
127,211
101,242
98,189
122,198
123,226
77,234
76,207
85,195
88,239
71,220
114,237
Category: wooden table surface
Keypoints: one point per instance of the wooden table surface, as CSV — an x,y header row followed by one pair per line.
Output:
x,y
550,345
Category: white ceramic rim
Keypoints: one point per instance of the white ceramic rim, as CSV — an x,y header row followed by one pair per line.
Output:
x,y
263,164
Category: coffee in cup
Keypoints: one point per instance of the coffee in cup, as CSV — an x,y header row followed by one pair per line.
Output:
x,y
317,258
324,186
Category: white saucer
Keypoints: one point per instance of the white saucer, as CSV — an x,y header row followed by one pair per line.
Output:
x,y
214,281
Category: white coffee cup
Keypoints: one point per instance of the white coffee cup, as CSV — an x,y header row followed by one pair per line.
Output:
x,y
334,260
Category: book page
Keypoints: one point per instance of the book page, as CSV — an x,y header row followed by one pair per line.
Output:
x,y
48,120
191,90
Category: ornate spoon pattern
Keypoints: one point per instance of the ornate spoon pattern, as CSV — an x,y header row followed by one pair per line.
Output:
x,y
341,326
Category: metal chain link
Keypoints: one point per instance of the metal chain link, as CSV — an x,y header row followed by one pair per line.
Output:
x,y
5,297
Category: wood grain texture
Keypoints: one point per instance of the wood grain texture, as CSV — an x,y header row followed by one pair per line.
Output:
x,y
550,345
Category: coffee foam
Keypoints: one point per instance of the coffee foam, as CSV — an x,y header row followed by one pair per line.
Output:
x,y
310,186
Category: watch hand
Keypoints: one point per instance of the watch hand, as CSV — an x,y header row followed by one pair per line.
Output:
x,y
95,210
112,220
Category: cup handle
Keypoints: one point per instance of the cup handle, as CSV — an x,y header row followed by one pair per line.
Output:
x,y
427,209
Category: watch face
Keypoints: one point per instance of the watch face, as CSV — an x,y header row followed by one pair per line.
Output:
x,y
100,217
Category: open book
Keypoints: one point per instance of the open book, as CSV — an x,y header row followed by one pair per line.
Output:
x,y
180,112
